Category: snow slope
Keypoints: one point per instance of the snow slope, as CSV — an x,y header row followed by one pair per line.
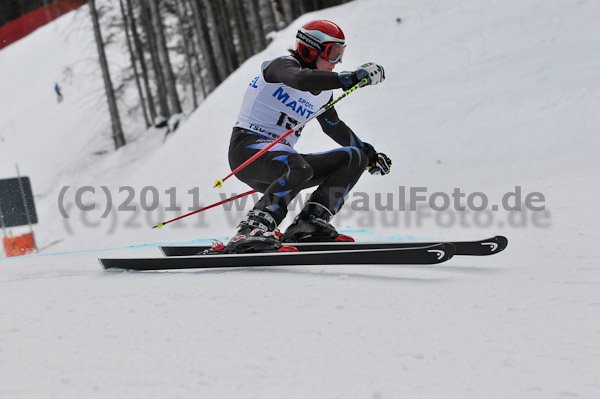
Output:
x,y
480,95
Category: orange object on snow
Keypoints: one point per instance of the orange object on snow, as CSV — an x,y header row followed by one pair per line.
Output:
x,y
20,245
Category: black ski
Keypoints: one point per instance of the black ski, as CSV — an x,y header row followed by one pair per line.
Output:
x,y
488,246
381,256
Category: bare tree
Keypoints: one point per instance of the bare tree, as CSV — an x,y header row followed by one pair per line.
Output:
x,y
205,44
187,51
287,7
164,57
242,39
194,46
225,35
117,130
280,18
133,63
255,25
139,50
266,15
159,79
219,55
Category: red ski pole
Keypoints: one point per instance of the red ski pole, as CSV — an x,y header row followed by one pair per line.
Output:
x,y
159,225
219,183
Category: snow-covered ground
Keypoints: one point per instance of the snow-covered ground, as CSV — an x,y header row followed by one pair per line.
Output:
x,y
483,96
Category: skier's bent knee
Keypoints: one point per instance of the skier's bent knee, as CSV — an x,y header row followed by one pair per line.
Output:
x,y
301,173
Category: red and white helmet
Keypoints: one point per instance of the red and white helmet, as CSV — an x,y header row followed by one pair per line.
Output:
x,y
320,38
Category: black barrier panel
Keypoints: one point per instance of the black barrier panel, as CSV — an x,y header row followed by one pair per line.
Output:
x,y
11,202
13,9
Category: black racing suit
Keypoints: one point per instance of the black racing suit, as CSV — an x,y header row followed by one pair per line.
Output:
x,y
281,172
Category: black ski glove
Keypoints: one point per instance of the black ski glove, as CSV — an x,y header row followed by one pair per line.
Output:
x,y
379,163
382,166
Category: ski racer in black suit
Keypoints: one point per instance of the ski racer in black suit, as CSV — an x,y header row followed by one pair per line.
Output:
x,y
288,90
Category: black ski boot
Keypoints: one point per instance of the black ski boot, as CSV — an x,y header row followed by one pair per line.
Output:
x,y
255,234
312,225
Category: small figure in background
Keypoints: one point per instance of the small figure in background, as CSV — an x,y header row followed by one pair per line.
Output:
x,y
59,96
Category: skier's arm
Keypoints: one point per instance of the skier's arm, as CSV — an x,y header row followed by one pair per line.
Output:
x,y
379,163
342,134
289,72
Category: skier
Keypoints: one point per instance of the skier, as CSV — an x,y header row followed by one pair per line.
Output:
x,y
286,91
59,96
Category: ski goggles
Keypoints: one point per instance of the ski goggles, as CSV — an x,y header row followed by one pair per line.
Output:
x,y
333,52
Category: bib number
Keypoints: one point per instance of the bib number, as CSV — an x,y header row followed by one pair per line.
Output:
x,y
288,123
